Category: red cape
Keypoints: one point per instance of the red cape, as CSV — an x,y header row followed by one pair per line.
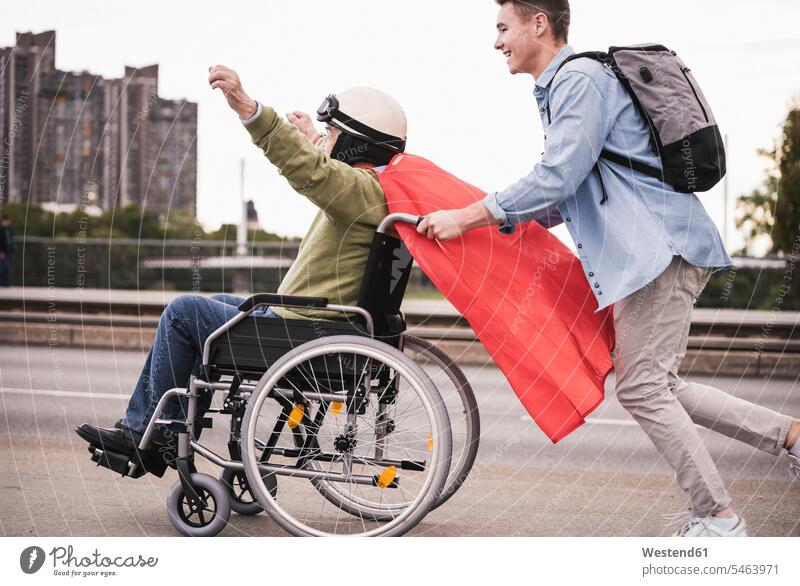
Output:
x,y
525,296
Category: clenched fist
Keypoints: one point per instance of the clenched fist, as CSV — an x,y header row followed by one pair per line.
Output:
x,y
303,123
227,80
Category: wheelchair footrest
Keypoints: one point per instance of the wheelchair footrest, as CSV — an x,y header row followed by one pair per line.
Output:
x,y
126,465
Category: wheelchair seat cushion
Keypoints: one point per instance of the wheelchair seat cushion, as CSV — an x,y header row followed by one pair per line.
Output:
x,y
250,347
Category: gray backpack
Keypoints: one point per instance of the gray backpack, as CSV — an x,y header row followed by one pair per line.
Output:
x,y
683,131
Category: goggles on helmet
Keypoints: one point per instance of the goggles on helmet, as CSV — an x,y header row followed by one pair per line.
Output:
x,y
330,113
327,108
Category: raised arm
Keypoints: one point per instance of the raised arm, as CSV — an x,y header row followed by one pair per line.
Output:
x,y
331,185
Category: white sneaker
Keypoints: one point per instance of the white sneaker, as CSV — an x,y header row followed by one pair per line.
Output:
x,y
704,527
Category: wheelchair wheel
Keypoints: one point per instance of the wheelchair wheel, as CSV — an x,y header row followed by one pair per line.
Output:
x,y
325,414
462,408
242,500
204,522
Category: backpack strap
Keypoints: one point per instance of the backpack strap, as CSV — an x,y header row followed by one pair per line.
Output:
x,y
642,168
607,60
597,56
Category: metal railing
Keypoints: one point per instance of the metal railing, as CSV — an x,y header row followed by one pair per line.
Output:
x,y
202,265
144,264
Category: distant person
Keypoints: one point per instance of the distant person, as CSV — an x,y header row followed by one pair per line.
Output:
x,y
336,174
6,252
645,249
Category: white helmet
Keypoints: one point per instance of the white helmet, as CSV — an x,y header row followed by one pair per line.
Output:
x,y
373,125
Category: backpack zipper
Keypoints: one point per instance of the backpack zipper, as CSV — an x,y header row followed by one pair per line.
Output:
x,y
645,48
685,70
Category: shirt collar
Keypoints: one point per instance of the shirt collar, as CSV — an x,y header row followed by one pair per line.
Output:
x,y
547,75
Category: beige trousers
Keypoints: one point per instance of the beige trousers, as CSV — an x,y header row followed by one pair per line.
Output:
x,y
652,331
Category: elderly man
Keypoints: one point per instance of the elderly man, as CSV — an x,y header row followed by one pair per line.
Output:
x,y
364,129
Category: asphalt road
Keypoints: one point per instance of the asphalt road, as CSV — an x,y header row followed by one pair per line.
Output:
x,y
604,479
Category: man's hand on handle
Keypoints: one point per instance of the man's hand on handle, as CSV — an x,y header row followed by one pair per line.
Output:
x,y
227,80
450,224
441,225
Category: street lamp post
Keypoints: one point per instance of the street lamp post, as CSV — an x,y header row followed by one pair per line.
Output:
x,y
240,274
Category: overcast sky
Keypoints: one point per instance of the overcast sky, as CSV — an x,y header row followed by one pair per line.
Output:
x,y
465,111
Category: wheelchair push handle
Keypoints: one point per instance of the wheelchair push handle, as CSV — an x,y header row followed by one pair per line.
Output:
x,y
392,219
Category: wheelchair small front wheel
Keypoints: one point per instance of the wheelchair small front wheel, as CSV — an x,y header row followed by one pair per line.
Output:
x,y
242,500
205,521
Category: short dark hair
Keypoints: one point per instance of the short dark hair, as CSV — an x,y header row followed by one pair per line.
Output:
x,y
557,12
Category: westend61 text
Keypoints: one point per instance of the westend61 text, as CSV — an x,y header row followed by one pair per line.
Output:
x,y
691,552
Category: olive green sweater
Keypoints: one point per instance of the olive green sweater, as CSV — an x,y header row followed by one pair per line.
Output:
x,y
331,260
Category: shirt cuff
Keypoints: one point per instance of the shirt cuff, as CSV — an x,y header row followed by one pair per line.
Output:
x,y
490,201
247,121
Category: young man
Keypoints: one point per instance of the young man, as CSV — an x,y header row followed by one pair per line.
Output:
x,y
365,129
647,250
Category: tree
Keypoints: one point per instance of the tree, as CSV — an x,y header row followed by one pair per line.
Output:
x,y
774,208
786,232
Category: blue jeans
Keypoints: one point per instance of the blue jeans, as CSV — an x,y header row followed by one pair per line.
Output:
x,y
177,353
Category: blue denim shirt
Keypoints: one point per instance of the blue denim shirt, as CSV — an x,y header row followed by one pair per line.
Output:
x,y
627,241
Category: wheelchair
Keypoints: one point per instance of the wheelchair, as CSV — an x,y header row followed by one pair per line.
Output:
x,y
337,426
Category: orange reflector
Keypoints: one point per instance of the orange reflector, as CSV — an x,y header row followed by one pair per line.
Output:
x,y
430,442
296,416
336,407
387,476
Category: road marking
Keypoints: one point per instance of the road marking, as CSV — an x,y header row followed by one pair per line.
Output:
x,y
113,397
622,422
66,394
596,421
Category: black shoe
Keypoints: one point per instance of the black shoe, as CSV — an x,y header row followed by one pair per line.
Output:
x,y
162,439
123,441
119,450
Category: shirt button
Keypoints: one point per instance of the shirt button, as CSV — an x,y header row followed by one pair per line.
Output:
x,y
569,219
591,274
599,293
580,245
540,109
597,285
